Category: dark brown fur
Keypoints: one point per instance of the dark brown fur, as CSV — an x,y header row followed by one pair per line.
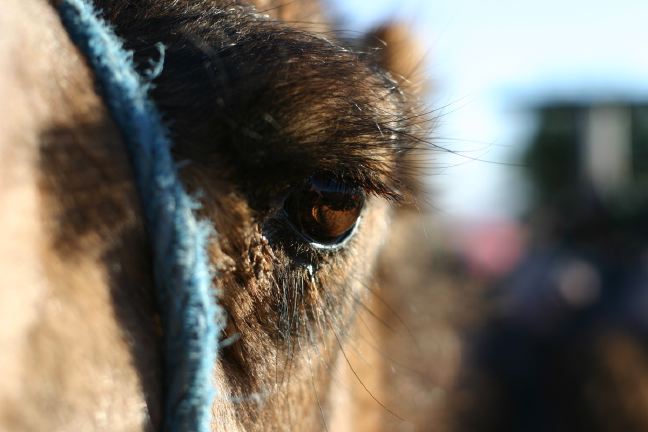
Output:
x,y
255,105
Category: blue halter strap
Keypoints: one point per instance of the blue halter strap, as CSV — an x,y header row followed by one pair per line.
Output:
x,y
192,320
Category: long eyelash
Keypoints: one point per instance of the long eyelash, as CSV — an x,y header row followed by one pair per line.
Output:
x,y
313,343
335,327
374,347
374,293
346,358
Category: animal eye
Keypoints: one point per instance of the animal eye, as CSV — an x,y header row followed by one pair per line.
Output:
x,y
325,211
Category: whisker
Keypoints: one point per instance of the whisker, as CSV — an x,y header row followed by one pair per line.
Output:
x,y
361,382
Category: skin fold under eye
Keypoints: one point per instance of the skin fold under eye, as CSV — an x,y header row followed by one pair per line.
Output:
x,y
324,210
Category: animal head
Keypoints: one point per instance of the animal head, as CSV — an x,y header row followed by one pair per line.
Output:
x,y
296,145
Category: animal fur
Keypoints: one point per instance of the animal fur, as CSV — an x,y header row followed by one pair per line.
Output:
x,y
255,105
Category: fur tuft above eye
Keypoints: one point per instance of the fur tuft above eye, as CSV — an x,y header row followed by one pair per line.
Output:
x,y
325,211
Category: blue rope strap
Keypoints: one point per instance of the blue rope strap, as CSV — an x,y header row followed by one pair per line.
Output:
x,y
191,318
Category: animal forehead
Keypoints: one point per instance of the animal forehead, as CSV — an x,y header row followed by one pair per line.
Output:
x,y
267,106
302,125
229,60
261,97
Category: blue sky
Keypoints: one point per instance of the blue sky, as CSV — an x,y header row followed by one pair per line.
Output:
x,y
489,59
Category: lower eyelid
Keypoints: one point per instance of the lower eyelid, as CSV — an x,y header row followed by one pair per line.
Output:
x,y
280,229
345,240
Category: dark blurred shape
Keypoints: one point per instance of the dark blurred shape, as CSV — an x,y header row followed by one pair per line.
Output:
x,y
588,167
566,347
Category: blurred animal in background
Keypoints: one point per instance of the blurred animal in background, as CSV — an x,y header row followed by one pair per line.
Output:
x,y
564,345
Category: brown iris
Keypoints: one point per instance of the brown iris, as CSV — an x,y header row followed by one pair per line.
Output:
x,y
325,210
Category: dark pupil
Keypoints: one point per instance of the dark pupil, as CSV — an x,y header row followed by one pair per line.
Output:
x,y
326,210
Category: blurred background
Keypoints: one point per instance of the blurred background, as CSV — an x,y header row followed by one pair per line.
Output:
x,y
534,314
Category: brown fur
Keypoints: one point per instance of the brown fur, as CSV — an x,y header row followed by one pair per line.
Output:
x,y
255,106
75,247
366,337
